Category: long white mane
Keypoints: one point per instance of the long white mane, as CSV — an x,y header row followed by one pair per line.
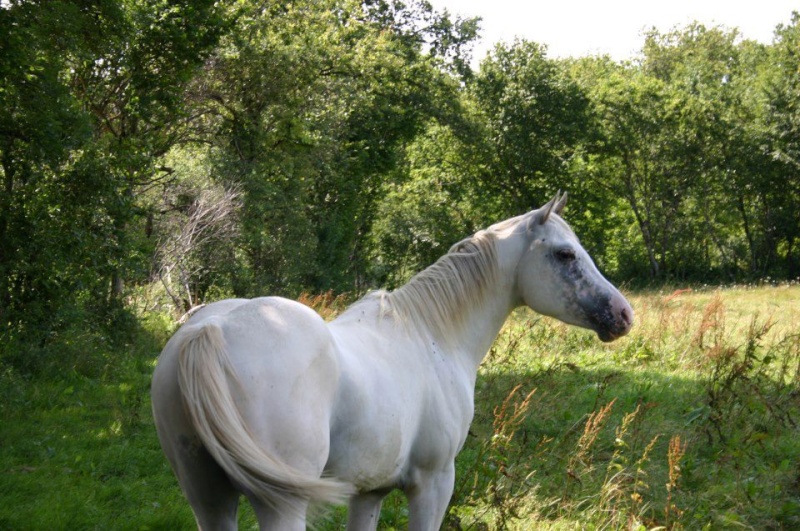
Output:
x,y
436,297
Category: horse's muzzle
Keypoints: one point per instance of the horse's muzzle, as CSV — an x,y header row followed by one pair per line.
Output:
x,y
614,320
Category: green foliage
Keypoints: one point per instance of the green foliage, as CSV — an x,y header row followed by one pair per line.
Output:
x,y
308,105
90,96
426,209
782,187
346,145
534,116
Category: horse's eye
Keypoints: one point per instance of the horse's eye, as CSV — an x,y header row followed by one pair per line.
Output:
x,y
565,255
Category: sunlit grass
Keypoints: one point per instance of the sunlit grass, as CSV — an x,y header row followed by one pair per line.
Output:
x,y
680,424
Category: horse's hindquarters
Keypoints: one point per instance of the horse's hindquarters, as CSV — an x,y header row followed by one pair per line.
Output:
x,y
279,376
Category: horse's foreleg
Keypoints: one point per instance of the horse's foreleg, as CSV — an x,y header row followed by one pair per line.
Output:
x,y
363,512
428,499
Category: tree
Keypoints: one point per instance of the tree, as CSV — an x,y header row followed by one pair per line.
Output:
x,y
535,116
428,207
669,131
91,94
781,192
307,107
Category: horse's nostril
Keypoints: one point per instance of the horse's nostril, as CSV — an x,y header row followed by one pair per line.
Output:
x,y
626,316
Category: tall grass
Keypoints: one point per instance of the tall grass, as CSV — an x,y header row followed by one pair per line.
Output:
x,y
690,422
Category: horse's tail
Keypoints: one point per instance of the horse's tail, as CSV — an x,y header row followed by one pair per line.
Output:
x,y
204,376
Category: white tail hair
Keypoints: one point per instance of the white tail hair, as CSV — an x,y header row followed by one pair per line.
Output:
x,y
204,376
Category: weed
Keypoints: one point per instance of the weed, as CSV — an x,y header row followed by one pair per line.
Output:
x,y
750,390
580,461
624,489
675,454
326,304
501,474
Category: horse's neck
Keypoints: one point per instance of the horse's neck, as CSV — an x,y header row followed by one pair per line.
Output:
x,y
482,328
472,327
481,323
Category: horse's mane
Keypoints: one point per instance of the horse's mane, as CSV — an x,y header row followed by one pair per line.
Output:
x,y
435,297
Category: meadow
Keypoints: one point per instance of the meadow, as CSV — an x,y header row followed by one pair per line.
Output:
x,y
690,422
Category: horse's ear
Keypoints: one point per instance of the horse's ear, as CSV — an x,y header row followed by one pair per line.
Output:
x,y
554,205
558,208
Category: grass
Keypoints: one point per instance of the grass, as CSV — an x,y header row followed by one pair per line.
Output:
x,y
689,422
80,453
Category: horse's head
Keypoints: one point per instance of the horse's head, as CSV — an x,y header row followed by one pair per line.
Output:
x,y
556,277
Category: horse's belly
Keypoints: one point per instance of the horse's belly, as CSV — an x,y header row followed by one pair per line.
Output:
x,y
369,474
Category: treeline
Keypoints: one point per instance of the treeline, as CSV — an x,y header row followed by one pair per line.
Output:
x,y
243,148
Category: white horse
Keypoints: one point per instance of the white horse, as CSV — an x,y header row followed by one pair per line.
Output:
x,y
263,397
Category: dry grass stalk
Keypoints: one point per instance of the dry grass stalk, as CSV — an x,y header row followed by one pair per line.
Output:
x,y
326,304
582,457
713,320
675,453
621,497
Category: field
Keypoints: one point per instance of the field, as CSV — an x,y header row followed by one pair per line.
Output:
x,y
689,422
